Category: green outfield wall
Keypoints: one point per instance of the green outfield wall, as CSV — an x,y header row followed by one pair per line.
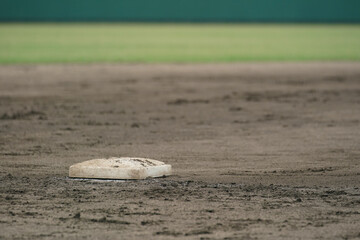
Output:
x,y
342,11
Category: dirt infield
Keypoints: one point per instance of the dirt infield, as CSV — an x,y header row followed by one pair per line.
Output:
x,y
259,151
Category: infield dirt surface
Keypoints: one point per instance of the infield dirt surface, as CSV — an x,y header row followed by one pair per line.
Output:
x,y
259,151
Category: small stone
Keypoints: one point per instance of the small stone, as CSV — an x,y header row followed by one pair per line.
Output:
x,y
120,168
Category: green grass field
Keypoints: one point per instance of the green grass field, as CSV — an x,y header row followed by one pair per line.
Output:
x,y
84,43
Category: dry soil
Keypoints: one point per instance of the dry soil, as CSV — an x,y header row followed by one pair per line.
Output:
x,y
259,151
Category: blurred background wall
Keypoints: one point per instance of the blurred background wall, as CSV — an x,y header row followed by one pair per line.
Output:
x,y
332,11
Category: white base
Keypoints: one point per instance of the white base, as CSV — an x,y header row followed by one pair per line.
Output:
x,y
120,168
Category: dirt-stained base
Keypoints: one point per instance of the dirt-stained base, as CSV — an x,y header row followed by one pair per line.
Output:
x,y
260,151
